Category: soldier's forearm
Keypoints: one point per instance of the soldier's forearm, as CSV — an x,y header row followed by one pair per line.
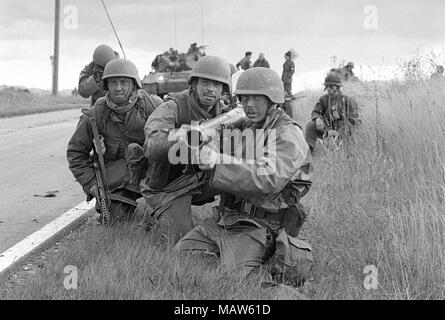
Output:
x,y
87,87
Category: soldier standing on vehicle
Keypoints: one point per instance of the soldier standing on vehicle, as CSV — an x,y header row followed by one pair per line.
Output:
x,y
334,113
120,117
170,189
245,63
288,72
261,62
260,208
90,79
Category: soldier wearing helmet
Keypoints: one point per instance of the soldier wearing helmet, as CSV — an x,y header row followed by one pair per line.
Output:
x,y
288,73
90,79
259,208
120,117
346,72
334,112
169,188
438,75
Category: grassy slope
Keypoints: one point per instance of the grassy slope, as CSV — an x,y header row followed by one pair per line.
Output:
x,y
382,206
17,103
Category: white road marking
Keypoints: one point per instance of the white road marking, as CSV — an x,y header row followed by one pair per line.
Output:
x,y
27,245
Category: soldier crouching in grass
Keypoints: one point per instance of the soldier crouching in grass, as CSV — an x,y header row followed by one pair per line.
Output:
x,y
170,189
119,117
260,215
335,114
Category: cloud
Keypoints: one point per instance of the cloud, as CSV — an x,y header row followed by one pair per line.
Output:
x,y
316,29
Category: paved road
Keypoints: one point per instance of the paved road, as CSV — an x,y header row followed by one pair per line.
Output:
x,y
33,162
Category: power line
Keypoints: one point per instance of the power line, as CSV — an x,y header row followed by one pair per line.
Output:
x,y
114,29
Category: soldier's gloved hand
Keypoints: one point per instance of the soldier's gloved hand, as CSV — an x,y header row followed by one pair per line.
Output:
x,y
319,124
98,71
207,158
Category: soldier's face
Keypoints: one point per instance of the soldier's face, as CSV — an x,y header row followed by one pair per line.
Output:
x,y
332,89
208,91
120,89
255,107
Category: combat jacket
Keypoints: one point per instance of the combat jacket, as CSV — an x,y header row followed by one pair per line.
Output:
x,y
118,133
288,71
244,63
163,181
335,109
88,87
282,157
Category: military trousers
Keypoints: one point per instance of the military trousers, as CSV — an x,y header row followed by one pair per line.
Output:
x,y
241,243
288,88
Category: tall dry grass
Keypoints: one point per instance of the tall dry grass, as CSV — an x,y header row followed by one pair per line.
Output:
x,y
383,206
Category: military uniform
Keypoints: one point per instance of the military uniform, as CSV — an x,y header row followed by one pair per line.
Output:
x,y
90,79
259,215
169,190
244,63
335,111
118,129
288,72
261,63
88,86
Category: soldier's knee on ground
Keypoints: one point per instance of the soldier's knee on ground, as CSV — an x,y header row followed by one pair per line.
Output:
x,y
198,241
293,261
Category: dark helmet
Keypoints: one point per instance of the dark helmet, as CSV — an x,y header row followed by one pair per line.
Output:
x,y
261,81
121,68
213,68
103,54
333,78
350,64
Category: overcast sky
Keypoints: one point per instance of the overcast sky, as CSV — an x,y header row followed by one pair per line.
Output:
x,y
316,29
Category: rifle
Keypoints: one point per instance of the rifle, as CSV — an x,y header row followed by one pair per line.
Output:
x,y
101,177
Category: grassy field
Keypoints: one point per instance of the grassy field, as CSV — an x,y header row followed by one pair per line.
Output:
x,y
16,102
382,204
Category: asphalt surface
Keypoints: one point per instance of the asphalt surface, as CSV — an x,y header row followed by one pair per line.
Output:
x,y
32,164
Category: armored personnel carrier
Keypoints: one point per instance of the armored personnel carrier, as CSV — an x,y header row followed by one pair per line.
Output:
x,y
171,70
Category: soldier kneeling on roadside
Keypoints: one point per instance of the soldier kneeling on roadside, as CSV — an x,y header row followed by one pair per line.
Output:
x,y
259,216
119,117
335,114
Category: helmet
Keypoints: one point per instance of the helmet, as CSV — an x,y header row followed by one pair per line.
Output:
x,y
213,68
350,64
122,68
103,54
333,78
261,81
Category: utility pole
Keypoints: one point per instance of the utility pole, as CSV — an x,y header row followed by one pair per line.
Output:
x,y
55,57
